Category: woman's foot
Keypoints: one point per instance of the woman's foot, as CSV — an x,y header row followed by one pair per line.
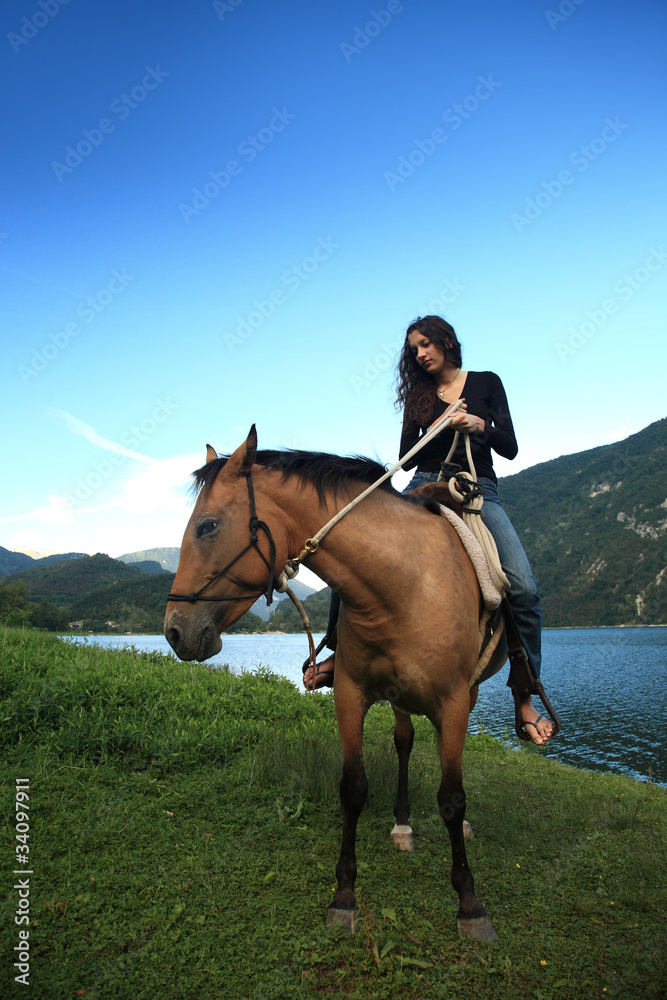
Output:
x,y
324,675
538,727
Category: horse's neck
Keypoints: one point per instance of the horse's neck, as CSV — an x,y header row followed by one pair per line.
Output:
x,y
349,554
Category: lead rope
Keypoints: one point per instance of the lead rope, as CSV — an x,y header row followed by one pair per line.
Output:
x,y
311,545
283,588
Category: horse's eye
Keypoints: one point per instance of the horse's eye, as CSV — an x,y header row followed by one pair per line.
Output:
x,y
206,527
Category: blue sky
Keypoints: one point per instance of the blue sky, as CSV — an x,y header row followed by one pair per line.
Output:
x,y
224,213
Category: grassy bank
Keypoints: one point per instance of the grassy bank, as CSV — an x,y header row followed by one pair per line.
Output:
x,y
184,831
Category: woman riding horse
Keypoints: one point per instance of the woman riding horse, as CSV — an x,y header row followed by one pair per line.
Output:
x,y
431,379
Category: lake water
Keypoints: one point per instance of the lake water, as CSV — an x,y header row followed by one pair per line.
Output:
x,y
606,685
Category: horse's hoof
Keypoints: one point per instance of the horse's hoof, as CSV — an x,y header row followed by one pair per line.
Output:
x,y
467,830
401,837
347,919
479,928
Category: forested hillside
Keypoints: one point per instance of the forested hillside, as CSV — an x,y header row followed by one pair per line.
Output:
x,y
95,594
286,617
71,578
594,525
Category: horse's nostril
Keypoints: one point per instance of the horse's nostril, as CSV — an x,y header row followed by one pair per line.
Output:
x,y
173,637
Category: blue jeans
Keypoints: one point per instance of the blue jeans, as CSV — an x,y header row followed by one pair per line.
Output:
x,y
522,595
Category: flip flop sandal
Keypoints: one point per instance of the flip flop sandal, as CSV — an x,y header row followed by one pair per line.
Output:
x,y
536,723
327,678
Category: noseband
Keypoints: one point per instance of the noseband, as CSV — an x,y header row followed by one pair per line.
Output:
x,y
255,526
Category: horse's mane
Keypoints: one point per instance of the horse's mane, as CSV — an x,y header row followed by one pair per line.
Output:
x,y
324,471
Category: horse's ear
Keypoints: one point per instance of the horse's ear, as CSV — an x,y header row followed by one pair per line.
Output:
x,y
211,454
241,461
250,450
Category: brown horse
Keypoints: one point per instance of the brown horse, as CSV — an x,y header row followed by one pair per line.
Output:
x,y
408,625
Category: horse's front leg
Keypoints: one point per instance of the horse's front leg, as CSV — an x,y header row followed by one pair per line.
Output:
x,y
350,712
404,736
471,917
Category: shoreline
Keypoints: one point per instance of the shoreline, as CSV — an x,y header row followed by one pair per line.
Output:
x,y
546,628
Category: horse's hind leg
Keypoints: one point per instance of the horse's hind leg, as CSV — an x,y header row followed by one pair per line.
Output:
x,y
404,735
353,790
467,828
471,917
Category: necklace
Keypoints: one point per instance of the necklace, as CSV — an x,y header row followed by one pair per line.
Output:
x,y
441,392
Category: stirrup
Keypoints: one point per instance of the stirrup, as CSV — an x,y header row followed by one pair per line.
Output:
x,y
522,680
551,711
308,662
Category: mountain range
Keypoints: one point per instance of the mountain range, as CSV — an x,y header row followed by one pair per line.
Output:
x,y
105,594
593,525
12,561
167,558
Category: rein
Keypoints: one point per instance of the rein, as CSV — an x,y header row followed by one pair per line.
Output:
x,y
311,545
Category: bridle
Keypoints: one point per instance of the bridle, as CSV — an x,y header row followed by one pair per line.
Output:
x,y
255,525
311,545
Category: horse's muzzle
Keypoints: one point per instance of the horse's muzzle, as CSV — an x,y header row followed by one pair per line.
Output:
x,y
191,636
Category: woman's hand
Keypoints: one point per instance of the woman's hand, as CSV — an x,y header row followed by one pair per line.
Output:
x,y
466,422
461,406
462,421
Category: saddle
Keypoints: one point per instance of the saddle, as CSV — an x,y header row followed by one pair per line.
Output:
x,y
498,638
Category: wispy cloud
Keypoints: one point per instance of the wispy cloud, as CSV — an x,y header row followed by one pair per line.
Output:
x,y
55,511
86,431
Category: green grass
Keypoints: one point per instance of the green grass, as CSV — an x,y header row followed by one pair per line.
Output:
x,y
185,829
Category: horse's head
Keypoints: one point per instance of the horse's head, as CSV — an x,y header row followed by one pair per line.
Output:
x,y
227,555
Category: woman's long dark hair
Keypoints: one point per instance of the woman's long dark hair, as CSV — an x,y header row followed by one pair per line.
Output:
x,y
415,388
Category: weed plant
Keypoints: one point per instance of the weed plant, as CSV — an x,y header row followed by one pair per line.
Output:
x,y
184,830
139,708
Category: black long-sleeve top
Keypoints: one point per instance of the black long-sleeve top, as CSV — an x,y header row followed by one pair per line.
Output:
x,y
485,397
